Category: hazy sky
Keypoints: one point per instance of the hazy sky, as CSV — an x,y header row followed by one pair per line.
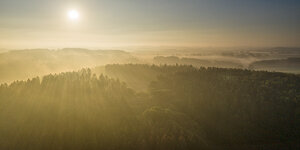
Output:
x,y
117,23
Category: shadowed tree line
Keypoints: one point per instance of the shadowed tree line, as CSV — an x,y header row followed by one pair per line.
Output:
x,y
181,108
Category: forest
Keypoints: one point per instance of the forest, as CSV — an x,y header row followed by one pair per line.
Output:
x,y
149,75
146,107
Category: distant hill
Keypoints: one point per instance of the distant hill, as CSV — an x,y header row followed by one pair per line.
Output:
x,y
23,64
282,65
285,49
171,60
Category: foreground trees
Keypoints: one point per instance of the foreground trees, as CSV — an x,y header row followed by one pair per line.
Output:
x,y
182,108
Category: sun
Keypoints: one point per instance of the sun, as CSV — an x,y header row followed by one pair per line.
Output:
x,y
73,14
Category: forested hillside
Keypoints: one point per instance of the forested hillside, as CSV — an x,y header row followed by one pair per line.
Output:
x,y
180,107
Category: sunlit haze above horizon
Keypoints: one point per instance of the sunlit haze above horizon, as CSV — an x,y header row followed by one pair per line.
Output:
x,y
125,23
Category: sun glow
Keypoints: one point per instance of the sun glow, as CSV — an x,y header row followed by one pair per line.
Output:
x,y
73,15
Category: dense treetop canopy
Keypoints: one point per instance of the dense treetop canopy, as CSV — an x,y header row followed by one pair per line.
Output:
x,y
179,107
